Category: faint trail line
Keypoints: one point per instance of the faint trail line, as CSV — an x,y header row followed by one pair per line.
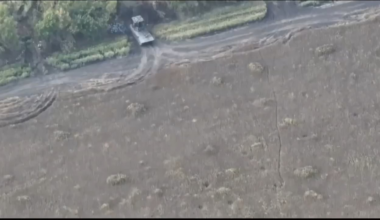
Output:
x,y
47,100
280,142
282,182
276,118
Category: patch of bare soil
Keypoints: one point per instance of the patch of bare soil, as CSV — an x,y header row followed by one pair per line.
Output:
x,y
211,139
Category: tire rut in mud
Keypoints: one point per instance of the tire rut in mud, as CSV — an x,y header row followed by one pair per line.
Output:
x,y
15,110
149,64
284,19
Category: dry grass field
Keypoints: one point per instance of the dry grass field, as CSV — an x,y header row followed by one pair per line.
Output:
x,y
290,130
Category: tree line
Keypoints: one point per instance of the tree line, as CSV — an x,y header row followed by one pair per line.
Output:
x,y
31,27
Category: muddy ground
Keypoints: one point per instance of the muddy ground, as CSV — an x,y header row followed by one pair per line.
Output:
x,y
223,138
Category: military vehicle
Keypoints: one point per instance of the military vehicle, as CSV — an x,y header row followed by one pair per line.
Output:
x,y
140,32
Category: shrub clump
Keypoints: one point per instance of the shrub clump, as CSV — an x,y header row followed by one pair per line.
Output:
x,y
13,72
136,109
325,50
256,68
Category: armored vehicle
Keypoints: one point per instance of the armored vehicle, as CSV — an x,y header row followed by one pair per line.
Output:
x,y
140,32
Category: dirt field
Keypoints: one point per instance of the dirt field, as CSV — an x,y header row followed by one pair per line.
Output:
x,y
223,138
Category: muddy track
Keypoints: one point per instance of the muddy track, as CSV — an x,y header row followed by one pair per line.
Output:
x,y
149,64
17,110
284,20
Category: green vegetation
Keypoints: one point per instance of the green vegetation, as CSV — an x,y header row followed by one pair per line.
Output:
x,y
57,23
12,73
215,20
34,31
308,3
31,27
8,35
80,58
189,8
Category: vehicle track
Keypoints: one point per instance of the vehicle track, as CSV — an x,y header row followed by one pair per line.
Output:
x,y
20,109
284,19
149,64
282,22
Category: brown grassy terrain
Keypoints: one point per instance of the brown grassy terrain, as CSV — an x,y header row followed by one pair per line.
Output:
x,y
290,130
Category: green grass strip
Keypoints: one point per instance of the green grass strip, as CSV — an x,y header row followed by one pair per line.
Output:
x,y
84,57
217,18
310,3
217,22
13,72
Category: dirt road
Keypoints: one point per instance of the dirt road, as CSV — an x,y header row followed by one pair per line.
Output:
x,y
283,20
286,130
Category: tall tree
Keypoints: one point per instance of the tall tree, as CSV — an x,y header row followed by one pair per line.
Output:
x,y
62,21
9,40
26,16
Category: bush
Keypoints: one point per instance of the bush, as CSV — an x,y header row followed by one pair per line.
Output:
x,y
122,51
7,80
119,44
87,60
310,3
109,54
63,66
25,75
4,81
52,61
16,71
